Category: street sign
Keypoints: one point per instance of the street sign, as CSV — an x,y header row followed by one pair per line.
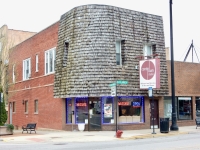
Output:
x,y
150,90
112,84
122,82
113,91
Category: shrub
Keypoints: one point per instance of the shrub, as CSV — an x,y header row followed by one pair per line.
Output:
x,y
3,114
10,127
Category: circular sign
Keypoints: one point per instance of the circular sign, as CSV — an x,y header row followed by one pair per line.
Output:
x,y
148,70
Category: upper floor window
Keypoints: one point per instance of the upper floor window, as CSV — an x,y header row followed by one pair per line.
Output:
x,y
13,107
147,50
26,107
26,69
36,106
50,61
118,52
13,73
36,63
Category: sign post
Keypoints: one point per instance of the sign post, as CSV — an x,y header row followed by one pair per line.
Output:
x,y
150,92
114,93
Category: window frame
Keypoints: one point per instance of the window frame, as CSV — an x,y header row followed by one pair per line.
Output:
x,y
13,73
145,51
26,77
13,107
36,106
120,51
26,107
36,63
47,61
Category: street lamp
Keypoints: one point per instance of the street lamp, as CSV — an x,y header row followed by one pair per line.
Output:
x,y
174,126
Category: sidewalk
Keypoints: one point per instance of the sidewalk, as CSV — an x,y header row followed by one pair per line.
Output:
x,y
46,136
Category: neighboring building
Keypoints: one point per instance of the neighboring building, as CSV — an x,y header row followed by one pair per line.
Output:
x,y
8,39
31,78
96,45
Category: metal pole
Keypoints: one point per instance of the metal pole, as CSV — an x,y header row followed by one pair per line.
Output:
x,y
152,109
116,100
174,126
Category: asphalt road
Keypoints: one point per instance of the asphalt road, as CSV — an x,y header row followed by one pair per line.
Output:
x,y
189,141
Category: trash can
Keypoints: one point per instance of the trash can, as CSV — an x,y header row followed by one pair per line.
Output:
x,y
164,125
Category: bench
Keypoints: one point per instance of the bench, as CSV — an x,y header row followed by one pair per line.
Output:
x,y
197,122
29,127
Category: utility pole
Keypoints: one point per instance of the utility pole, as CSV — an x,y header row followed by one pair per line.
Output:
x,y
174,126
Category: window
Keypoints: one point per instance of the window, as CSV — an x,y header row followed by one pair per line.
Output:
x,y
168,107
36,106
131,109
13,73
69,110
13,107
26,106
36,63
50,61
147,51
65,54
184,108
108,109
26,69
81,113
197,107
118,52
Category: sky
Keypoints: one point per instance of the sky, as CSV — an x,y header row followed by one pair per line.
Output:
x,y
36,15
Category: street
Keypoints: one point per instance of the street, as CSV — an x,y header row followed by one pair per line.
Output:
x,y
177,142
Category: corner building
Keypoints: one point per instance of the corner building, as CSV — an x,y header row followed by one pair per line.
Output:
x,y
97,46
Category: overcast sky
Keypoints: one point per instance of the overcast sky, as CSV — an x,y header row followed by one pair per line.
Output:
x,y
35,15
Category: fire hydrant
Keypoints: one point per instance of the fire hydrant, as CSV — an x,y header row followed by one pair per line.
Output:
x,y
119,133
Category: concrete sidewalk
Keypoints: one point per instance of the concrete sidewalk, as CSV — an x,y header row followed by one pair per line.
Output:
x,y
49,136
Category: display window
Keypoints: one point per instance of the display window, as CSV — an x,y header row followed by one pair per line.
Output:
x,y
184,108
131,109
107,109
81,109
197,107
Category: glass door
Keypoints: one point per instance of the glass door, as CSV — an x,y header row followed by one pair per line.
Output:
x,y
94,115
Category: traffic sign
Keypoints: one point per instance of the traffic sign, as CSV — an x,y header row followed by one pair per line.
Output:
x,y
112,84
122,82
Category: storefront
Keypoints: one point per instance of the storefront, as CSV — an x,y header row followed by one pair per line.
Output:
x,y
184,107
97,112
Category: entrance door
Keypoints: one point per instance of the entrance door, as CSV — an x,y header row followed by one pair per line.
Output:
x,y
94,115
154,114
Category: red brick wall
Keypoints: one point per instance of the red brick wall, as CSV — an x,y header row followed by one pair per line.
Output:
x,y
39,86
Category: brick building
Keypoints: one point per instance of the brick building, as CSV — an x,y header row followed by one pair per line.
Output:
x,y
31,76
8,39
96,45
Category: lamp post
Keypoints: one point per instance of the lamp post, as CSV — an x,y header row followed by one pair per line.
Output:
x,y
150,92
174,126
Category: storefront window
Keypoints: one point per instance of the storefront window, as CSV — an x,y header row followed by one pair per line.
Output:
x,y
197,107
168,107
69,110
131,109
81,112
107,109
184,108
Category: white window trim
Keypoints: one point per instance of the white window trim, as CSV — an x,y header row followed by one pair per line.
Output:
x,y
120,42
14,73
145,51
24,72
54,52
36,63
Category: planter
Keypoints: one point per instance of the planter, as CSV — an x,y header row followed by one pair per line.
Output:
x,y
81,127
5,131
